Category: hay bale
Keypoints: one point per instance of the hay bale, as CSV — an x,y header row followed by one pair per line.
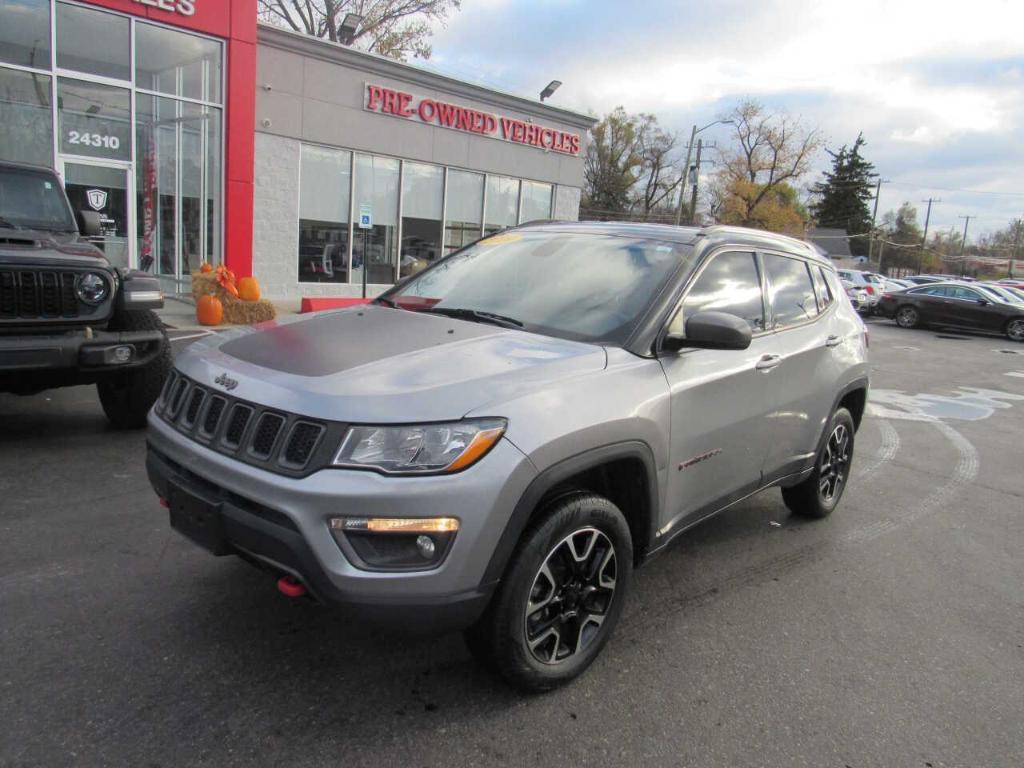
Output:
x,y
236,311
248,312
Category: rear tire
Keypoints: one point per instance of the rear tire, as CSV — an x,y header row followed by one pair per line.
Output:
x,y
561,595
819,494
1015,329
907,317
127,396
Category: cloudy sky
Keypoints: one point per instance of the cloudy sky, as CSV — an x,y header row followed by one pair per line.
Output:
x,y
937,87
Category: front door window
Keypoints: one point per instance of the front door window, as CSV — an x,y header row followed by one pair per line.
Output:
x,y
103,189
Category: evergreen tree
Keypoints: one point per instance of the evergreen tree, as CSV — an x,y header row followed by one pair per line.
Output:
x,y
842,199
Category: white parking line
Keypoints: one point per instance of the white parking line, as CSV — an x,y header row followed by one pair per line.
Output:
x,y
1018,374
189,336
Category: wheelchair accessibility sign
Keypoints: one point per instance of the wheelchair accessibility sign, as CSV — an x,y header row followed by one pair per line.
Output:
x,y
365,217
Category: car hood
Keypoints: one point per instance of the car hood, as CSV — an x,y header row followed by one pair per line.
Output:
x,y
375,364
32,246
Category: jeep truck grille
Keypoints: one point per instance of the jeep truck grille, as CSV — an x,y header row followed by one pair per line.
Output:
x,y
34,294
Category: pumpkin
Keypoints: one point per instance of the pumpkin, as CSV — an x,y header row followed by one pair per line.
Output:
x,y
249,289
209,310
206,267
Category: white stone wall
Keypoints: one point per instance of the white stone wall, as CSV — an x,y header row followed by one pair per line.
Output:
x,y
567,203
275,230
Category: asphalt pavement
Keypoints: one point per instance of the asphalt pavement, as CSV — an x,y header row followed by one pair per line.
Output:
x,y
887,635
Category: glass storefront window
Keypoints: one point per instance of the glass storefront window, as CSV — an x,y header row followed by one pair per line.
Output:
x,y
25,33
94,42
376,186
422,200
324,184
502,203
465,206
178,185
536,201
177,63
25,117
94,119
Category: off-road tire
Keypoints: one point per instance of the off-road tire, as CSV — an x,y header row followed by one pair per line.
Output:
x,y
808,499
499,639
127,396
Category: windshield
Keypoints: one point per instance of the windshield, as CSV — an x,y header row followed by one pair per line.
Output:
x,y
33,200
590,287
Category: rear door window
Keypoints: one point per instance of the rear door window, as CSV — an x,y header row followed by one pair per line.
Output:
x,y
790,290
822,289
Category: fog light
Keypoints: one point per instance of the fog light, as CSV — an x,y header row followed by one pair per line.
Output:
x,y
118,355
425,545
395,543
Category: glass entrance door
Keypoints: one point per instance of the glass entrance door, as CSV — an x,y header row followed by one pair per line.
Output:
x,y
106,189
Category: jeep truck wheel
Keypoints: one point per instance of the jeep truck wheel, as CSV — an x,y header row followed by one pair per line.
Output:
x,y
819,494
128,395
561,596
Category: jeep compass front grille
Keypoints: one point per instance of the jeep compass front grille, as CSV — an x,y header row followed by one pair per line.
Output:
x,y
285,443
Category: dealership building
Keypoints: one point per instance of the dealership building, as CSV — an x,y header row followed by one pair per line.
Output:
x,y
200,135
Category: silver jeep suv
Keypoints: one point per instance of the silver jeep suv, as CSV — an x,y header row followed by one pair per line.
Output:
x,y
497,442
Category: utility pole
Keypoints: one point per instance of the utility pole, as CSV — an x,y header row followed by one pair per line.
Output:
x,y
1016,244
924,239
874,216
963,244
696,181
686,171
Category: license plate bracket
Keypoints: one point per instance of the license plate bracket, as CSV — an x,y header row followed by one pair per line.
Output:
x,y
197,519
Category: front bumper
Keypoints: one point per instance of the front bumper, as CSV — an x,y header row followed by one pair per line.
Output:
x,y
282,523
77,349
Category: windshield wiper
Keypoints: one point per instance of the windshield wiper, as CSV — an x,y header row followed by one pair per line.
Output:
x,y
476,315
5,223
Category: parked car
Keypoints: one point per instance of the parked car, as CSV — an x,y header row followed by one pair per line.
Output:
x,y
67,316
1012,283
891,284
1016,292
869,282
997,292
498,441
858,297
954,305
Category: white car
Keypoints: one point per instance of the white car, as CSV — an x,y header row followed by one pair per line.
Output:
x,y
869,282
858,297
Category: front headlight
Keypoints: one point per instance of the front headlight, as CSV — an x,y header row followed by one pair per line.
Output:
x,y
92,288
419,449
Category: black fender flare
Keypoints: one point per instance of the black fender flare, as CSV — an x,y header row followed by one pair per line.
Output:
x,y
558,473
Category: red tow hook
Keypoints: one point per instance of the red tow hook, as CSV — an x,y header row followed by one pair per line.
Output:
x,y
289,586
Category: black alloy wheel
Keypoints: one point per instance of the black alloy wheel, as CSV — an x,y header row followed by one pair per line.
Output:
x,y
571,595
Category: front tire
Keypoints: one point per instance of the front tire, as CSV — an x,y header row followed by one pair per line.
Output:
x,y
908,317
1015,329
561,596
128,395
819,494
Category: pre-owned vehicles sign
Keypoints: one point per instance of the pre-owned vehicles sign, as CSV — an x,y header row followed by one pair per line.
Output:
x,y
388,101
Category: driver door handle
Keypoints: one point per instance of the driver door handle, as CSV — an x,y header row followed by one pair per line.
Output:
x,y
833,341
768,362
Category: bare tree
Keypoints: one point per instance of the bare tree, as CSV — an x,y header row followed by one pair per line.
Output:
x,y
612,164
770,153
395,28
660,175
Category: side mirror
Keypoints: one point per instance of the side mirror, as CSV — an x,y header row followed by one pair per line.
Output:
x,y
983,302
712,330
90,223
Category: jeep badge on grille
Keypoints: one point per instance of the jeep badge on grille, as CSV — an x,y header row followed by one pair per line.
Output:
x,y
226,381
